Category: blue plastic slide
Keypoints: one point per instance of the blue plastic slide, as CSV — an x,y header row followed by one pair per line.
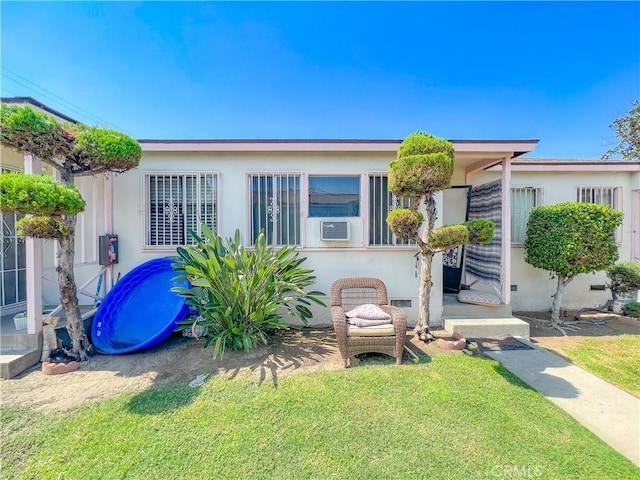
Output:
x,y
140,311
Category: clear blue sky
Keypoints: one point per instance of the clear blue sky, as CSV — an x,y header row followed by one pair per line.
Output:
x,y
560,72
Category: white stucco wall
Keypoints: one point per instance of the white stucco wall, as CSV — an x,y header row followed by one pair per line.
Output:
x,y
396,266
534,286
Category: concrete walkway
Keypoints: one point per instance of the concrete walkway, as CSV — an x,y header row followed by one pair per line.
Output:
x,y
610,413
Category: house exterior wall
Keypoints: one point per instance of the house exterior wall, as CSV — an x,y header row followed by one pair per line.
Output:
x,y
396,265
534,286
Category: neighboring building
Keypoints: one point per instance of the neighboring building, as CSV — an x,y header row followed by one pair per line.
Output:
x,y
330,199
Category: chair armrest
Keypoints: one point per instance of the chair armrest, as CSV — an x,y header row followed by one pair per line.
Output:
x,y
339,320
398,318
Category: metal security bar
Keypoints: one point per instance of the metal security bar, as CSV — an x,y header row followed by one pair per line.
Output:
x,y
381,202
523,199
599,195
178,203
275,207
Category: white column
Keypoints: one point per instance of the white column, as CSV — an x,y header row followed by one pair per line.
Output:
x,y
505,271
34,264
108,224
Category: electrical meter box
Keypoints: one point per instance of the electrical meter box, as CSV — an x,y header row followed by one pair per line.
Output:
x,y
108,249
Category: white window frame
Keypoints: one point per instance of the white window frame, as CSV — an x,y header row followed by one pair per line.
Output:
x,y
275,210
211,206
393,203
523,224
596,196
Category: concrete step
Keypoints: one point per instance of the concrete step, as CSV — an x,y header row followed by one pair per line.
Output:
x,y
19,340
487,327
14,362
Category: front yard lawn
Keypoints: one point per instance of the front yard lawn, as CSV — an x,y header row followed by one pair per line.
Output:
x,y
615,359
454,417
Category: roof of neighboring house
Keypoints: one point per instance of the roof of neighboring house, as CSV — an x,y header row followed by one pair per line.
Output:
x,y
40,105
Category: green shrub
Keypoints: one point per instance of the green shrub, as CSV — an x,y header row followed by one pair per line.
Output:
x,y
624,278
33,131
480,231
108,148
632,309
42,227
404,223
447,237
242,295
424,164
572,237
38,195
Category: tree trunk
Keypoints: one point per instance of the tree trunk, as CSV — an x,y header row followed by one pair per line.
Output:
x,y
422,327
67,284
563,281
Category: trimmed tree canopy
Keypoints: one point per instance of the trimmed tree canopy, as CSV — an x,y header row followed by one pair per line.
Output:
x,y
571,238
424,165
38,195
73,148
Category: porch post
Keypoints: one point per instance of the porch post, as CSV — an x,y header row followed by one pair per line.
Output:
x,y
505,269
33,254
108,224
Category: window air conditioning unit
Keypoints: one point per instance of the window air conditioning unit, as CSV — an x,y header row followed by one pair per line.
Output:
x,y
334,231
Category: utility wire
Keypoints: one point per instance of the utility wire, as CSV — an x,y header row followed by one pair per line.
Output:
x,y
67,105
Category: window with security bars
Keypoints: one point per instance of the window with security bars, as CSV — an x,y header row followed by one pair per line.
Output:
x,y
523,199
178,203
609,196
600,195
381,202
275,207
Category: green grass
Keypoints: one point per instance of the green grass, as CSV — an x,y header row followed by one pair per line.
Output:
x,y
455,417
617,360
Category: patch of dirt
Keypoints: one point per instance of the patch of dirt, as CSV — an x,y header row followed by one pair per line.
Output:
x,y
551,339
176,360
181,360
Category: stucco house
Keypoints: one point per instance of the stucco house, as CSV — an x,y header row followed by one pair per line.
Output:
x,y
330,199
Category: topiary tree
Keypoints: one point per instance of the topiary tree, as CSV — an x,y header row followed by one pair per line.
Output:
x,y
73,150
624,278
424,166
568,239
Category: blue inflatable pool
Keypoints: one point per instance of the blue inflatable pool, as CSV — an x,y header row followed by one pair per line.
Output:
x,y
140,311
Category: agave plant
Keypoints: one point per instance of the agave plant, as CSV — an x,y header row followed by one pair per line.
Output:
x,y
242,295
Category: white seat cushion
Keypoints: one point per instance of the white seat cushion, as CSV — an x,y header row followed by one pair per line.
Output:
x,y
375,331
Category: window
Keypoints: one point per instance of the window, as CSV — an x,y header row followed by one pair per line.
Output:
x,y
334,196
600,195
275,207
523,199
177,203
381,202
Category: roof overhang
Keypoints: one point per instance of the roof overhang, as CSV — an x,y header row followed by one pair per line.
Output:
x,y
467,151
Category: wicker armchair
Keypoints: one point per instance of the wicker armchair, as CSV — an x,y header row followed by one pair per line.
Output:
x,y
348,293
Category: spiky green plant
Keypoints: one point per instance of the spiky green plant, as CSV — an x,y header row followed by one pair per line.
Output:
x,y
242,295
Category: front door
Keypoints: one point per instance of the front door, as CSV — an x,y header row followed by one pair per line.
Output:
x,y
13,282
